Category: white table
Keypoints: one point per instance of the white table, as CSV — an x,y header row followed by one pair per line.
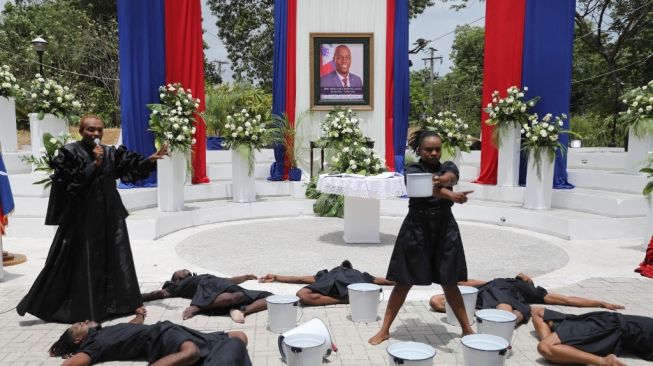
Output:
x,y
362,202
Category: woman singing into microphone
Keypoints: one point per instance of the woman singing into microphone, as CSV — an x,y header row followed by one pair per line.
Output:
x,y
89,272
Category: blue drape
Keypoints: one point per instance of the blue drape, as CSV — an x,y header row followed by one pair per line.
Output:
x,y
401,102
141,43
547,67
6,198
279,75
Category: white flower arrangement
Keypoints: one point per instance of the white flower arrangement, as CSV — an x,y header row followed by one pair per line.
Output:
x,y
543,136
244,133
47,96
50,149
340,128
639,114
511,111
172,120
357,159
8,85
451,129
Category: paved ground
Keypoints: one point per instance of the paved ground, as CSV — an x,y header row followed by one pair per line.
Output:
x,y
599,269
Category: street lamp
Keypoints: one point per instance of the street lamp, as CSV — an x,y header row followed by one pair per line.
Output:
x,y
39,45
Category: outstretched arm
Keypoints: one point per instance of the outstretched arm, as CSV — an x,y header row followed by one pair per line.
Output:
x,y
472,283
381,281
79,359
141,313
240,279
579,302
303,280
155,295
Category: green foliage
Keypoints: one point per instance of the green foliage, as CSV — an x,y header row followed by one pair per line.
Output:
x,y
171,121
595,129
281,131
326,205
51,145
639,115
648,169
225,99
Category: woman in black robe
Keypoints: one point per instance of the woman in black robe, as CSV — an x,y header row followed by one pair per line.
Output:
x,y
328,287
87,343
89,272
595,338
212,295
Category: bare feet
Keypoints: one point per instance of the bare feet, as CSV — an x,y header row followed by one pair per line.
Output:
x,y
190,312
612,360
379,338
609,306
237,316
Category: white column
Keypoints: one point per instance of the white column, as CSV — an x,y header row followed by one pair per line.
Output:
x,y
362,220
171,177
8,132
638,149
457,157
508,169
50,123
243,188
539,188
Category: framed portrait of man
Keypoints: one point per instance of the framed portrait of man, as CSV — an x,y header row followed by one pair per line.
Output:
x,y
342,70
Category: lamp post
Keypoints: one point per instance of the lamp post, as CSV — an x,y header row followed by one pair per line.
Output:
x,y
39,45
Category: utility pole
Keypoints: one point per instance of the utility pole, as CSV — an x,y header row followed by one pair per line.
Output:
x,y
220,63
432,75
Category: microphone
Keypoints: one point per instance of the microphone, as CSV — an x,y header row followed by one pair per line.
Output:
x,y
97,142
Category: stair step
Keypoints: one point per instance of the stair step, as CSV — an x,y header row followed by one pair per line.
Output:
x,y
609,181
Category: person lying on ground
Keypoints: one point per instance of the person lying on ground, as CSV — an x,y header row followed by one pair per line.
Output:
x,y
163,343
328,287
516,294
595,338
212,295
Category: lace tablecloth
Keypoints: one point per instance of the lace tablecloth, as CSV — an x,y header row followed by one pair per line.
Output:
x,y
368,187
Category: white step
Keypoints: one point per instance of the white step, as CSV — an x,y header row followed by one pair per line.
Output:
x,y
23,185
608,181
591,158
14,163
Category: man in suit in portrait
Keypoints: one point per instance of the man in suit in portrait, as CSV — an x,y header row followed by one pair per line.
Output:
x,y
341,77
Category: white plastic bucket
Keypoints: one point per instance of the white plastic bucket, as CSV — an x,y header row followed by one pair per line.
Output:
x,y
364,301
419,184
282,312
303,349
410,353
484,350
496,322
314,326
469,297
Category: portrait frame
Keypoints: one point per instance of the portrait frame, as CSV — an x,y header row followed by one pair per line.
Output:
x,y
324,94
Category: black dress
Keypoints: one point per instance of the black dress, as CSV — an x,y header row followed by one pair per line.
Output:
x,y
428,247
89,272
512,291
125,342
203,289
334,282
604,332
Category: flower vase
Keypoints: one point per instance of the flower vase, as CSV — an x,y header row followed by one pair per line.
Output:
x,y
171,178
539,187
638,149
508,168
243,187
8,132
37,127
457,157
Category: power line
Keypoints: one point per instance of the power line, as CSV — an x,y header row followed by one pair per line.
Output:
x,y
453,31
613,71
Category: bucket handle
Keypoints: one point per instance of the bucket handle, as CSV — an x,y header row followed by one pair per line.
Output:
x,y
398,361
281,350
479,319
503,352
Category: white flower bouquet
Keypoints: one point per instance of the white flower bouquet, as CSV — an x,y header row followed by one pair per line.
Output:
x,y
172,120
51,146
511,111
357,159
47,96
340,129
543,136
244,133
451,129
8,85
639,114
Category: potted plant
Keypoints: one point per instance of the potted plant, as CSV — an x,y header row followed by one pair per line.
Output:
x,y
507,115
171,122
9,90
639,119
452,131
284,136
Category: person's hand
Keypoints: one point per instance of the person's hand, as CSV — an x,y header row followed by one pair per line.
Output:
x,y
524,277
460,197
251,277
141,311
267,278
99,154
436,181
163,151
607,305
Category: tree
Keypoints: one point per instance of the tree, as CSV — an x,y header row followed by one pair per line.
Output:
x,y
246,28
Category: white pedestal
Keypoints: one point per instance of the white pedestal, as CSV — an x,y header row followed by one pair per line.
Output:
x,y
50,123
457,157
243,187
362,220
171,177
8,132
508,169
539,188
638,149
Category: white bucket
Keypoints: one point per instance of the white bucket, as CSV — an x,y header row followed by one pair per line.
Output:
x,y
314,326
282,312
469,297
419,184
364,301
496,322
484,350
303,349
410,353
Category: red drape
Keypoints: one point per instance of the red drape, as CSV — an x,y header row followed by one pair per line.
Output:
x,y
646,267
504,39
389,85
185,65
291,74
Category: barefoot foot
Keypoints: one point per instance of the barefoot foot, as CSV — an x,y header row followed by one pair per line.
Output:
x,y
379,338
190,312
237,316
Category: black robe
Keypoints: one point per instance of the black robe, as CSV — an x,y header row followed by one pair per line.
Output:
x,y
512,291
334,282
125,342
89,272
